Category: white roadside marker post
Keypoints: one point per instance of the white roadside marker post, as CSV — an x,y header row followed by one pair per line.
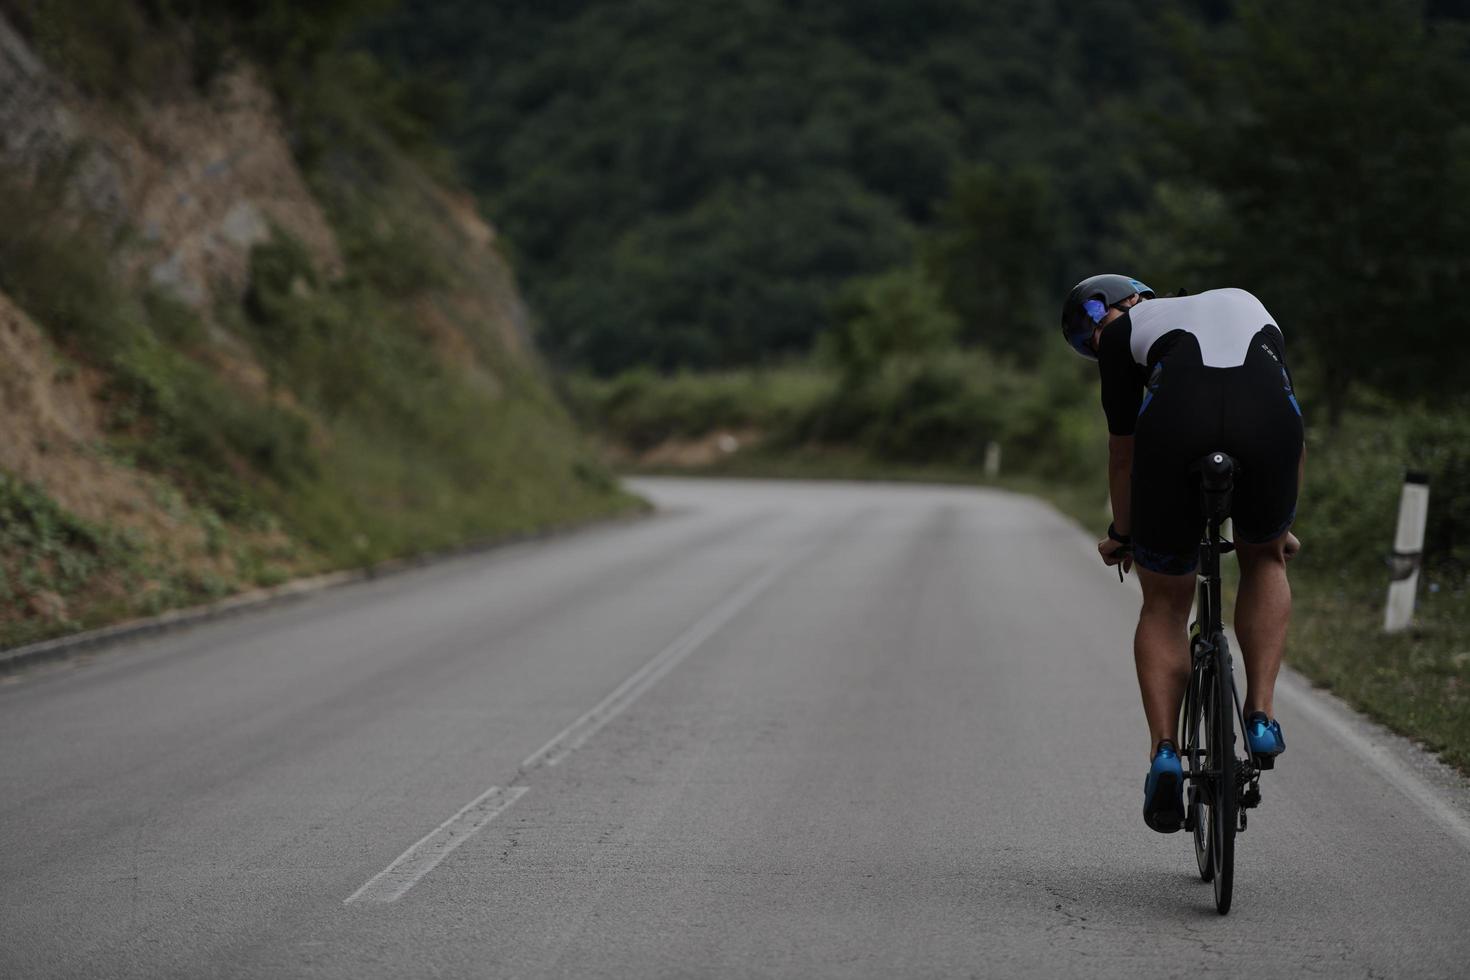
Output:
x,y
992,460
1408,547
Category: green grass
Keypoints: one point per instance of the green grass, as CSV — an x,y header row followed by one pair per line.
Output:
x,y
1416,682
47,554
83,574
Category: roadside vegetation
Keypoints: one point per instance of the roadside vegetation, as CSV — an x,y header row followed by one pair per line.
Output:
x,y
326,417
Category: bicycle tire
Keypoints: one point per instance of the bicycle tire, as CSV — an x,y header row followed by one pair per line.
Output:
x,y
1192,723
1224,812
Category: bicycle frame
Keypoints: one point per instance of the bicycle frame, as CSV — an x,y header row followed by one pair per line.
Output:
x,y
1212,728
1212,722
1208,649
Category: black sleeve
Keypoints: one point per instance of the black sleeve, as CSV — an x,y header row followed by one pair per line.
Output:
x,y
1122,384
1278,341
1275,338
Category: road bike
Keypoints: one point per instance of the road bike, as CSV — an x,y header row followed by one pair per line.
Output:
x,y
1224,779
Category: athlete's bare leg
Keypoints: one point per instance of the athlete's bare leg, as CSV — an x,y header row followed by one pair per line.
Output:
x,y
1161,650
1262,612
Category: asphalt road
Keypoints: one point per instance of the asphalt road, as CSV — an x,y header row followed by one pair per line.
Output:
x,y
782,729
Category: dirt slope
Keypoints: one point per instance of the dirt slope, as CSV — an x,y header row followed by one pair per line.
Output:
x,y
392,368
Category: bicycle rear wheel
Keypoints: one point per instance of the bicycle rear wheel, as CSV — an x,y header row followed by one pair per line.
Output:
x,y
1220,751
1191,736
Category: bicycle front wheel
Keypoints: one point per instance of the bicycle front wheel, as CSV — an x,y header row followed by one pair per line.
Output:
x,y
1220,751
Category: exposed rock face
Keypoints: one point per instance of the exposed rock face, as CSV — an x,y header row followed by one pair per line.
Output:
x,y
181,185
39,133
197,180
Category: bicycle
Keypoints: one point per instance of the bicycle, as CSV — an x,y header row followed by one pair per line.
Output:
x,y
1222,782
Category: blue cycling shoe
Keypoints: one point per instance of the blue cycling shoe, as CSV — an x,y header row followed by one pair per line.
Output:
x,y
1163,791
1264,736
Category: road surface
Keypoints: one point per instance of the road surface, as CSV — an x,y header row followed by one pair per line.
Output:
x,y
781,729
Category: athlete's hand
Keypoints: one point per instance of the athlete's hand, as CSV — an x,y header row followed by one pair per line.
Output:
x,y
1291,547
1108,548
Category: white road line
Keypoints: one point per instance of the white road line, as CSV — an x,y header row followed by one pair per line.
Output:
x,y
1297,690
1420,791
578,732
394,881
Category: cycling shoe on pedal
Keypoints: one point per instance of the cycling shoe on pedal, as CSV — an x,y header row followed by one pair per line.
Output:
x,y
1163,791
1264,735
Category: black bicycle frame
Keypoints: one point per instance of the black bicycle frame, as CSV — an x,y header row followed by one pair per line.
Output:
x,y
1217,475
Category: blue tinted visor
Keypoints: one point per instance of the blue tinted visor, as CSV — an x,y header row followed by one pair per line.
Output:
x,y
1082,324
1080,337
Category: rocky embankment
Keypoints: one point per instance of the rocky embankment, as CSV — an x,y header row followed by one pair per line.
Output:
x,y
169,256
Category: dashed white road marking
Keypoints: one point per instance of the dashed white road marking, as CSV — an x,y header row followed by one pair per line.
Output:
x,y
569,739
394,881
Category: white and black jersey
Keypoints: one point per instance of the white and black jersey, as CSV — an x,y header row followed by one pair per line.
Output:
x,y
1223,324
1191,375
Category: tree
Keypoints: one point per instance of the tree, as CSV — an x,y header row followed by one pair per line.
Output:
x,y
994,257
1335,134
897,314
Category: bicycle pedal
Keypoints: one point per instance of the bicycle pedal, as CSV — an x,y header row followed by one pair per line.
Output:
x,y
1264,762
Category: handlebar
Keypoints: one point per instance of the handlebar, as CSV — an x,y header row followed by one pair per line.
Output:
x,y
1126,551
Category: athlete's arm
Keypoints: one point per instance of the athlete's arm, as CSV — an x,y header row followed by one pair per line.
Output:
x,y
1122,396
1120,485
1293,544
1120,481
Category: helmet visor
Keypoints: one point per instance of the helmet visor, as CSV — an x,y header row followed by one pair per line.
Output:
x,y
1083,323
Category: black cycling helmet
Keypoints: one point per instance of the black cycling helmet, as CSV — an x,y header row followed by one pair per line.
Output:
x,y
1088,303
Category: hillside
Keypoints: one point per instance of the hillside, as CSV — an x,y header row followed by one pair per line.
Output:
x,y
715,174
245,335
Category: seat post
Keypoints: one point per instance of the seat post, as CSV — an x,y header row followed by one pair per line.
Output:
x,y
1217,482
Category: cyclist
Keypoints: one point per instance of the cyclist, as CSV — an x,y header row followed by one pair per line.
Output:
x,y
1181,377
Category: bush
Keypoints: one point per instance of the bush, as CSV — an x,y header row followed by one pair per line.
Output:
x,y
166,409
899,313
45,549
57,270
941,408
642,408
1354,477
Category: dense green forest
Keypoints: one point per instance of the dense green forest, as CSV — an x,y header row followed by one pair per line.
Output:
x,y
691,185
703,185
900,194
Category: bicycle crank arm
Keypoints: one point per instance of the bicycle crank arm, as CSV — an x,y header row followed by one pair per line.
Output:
x,y
1202,774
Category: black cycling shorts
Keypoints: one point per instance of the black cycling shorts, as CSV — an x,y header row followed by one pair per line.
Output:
x,y
1191,410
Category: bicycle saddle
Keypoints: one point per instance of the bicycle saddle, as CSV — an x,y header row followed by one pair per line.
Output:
x,y
1216,472
1216,479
